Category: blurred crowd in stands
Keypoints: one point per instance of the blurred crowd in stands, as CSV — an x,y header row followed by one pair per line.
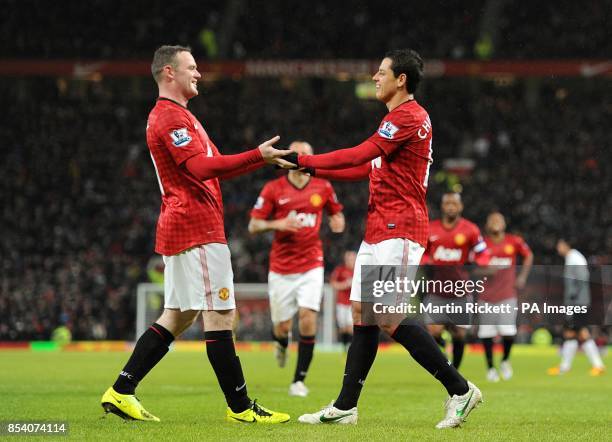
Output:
x,y
237,29
80,197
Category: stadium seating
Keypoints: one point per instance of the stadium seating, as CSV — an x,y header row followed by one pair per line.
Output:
x,y
80,198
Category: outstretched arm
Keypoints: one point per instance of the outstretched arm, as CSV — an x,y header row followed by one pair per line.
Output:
x,y
357,173
242,171
342,158
204,167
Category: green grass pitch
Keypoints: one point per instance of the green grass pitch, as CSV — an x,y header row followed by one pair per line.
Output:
x,y
400,400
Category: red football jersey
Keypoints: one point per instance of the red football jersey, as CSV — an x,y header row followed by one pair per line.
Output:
x,y
191,210
451,249
300,251
398,180
342,274
454,246
504,255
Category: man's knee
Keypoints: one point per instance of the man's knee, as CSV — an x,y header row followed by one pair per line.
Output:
x,y
356,312
584,334
435,329
307,321
569,334
176,321
458,332
282,329
219,320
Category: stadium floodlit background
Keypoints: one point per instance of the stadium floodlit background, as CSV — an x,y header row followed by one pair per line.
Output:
x,y
518,94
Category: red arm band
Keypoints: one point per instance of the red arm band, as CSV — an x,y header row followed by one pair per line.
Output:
x,y
351,174
242,170
343,158
204,168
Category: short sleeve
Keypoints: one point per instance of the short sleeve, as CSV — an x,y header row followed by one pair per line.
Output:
x,y
478,243
264,206
522,248
179,137
393,132
332,206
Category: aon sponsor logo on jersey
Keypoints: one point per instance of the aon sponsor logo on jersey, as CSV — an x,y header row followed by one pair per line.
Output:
x,y
500,261
449,255
305,219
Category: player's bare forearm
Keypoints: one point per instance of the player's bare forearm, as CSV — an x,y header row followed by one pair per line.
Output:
x,y
282,225
342,158
337,222
259,226
526,267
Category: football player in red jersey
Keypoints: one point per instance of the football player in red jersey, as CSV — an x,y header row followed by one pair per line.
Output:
x,y
341,281
198,277
504,250
453,241
396,159
292,206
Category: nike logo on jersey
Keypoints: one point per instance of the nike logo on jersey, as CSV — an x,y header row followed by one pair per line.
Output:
x,y
283,201
433,237
241,387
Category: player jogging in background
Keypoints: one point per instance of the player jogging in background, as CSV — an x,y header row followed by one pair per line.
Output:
x,y
341,281
396,158
295,204
198,277
501,287
577,292
453,242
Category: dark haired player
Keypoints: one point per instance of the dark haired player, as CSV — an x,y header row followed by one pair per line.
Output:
x,y
396,158
505,249
295,204
453,242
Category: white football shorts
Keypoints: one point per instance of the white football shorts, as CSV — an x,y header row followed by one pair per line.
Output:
x,y
391,252
344,316
290,292
200,278
503,324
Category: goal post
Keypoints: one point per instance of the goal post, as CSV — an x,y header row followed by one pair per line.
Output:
x,y
253,312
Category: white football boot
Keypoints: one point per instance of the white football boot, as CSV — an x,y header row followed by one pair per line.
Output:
x,y
459,407
492,375
330,415
506,370
298,389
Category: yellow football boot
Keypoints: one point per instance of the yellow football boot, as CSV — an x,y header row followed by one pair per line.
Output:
x,y
257,414
597,371
554,371
126,406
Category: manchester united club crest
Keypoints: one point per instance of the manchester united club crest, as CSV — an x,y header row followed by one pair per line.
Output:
x,y
460,239
508,249
224,294
316,200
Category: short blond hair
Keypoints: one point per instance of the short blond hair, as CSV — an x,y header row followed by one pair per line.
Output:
x,y
164,56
